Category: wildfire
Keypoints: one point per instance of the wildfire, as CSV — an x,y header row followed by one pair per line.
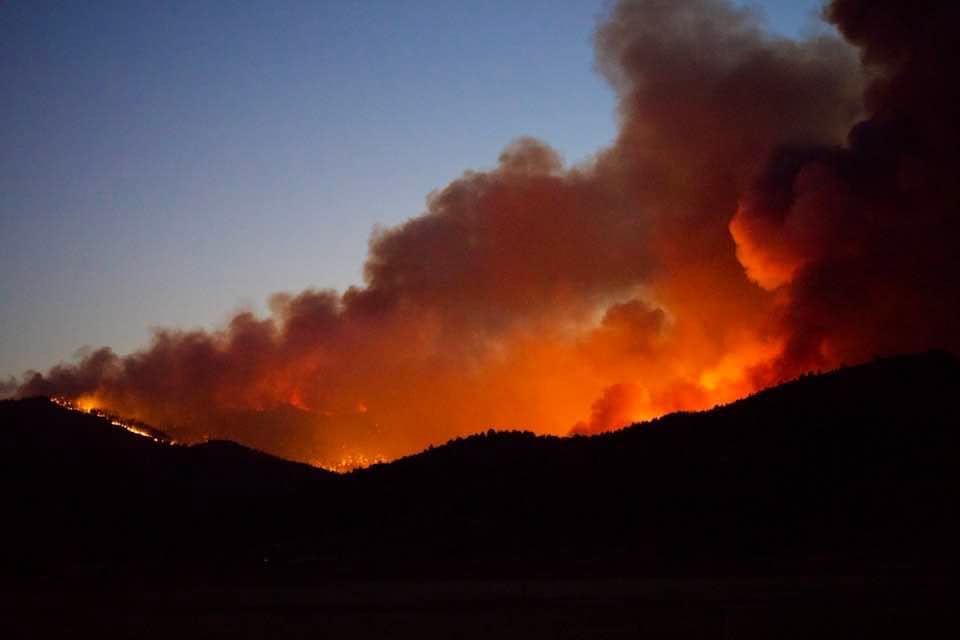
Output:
x,y
87,404
352,462
703,255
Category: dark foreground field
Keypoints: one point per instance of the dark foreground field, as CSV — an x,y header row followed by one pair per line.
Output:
x,y
839,607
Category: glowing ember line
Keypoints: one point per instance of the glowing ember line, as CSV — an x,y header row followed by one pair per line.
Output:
x,y
130,426
349,463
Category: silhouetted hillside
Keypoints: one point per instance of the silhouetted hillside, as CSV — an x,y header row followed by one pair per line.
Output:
x,y
852,470
849,469
82,492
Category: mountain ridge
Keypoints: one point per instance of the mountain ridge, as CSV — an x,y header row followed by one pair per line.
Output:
x,y
847,470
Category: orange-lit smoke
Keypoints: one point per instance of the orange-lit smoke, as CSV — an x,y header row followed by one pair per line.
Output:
x,y
728,238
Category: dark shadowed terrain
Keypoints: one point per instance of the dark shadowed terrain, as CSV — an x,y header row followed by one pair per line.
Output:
x,y
826,507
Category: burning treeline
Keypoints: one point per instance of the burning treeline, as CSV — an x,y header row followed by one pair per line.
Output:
x,y
768,207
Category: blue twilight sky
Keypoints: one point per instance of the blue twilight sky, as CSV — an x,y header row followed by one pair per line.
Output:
x,y
165,163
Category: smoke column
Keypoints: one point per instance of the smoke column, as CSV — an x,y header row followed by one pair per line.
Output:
x,y
768,207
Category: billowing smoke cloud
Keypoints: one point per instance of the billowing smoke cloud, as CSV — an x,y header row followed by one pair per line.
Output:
x,y
8,387
862,240
741,228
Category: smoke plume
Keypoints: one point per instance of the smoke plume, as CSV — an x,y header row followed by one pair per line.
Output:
x,y
768,206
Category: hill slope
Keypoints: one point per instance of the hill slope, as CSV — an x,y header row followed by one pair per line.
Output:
x,y
81,491
851,470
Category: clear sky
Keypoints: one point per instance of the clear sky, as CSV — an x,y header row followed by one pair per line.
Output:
x,y
165,163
